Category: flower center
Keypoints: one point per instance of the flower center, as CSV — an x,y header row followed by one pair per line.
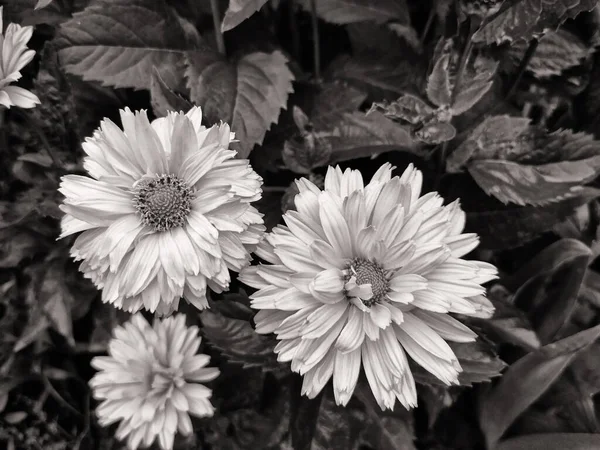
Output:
x,y
165,380
163,202
368,272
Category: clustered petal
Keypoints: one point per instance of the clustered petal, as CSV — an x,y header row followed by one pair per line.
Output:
x,y
369,276
165,213
151,382
14,55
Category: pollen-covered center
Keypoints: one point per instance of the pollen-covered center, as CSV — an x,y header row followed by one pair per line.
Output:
x,y
163,202
368,272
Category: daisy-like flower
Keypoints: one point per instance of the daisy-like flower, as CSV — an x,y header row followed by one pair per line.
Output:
x,y
14,55
362,276
165,213
151,381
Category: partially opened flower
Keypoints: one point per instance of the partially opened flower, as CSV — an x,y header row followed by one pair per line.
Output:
x,y
165,213
151,381
14,55
363,275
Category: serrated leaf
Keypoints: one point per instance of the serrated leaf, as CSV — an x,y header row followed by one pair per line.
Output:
x,y
387,76
342,12
360,135
497,137
526,380
530,18
511,182
238,341
474,86
556,52
248,94
515,225
163,99
333,100
408,108
117,42
550,294
435,132
238,11
552,441
439,90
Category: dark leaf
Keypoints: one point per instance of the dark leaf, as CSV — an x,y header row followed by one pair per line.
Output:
x,y
526,380
238,11
530,18
17,245
305,414
439,89
333,100
515,225
337,427
228,92
238,341
351,11
478,360
163,98
408,108
552,441
118,42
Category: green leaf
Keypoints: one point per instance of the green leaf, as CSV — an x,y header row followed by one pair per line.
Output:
x,y
514,225
238,11
526,380
557,51
550,295
238,341
118,42
511,182
229,92
439,89
350,11
529,18
552,441
163,99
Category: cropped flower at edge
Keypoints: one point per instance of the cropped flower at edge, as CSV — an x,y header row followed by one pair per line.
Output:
x,y
151,381
363,276
14,55
166,213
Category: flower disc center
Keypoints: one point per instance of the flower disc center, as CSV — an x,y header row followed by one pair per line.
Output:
x,y
163,202
368,272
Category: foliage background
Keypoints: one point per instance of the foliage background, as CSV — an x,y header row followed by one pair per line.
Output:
x,y
497,103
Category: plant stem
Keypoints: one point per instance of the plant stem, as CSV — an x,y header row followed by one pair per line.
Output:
x,y
464,58
214,6
428,25
316,40
294,29
522,66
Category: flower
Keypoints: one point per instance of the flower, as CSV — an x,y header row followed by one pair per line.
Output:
x,y
14,55
363,275
166,213
151,382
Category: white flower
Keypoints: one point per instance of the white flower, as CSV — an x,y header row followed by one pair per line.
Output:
x,y
14,55
362,276
151,381
166,212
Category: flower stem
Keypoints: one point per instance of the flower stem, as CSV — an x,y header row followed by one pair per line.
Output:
x,y
214,5
294,29
522,66
316,40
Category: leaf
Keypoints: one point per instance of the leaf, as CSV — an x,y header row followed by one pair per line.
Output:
x,y
238,11
333,100
550,295
515,225
497,137
342,12
230,92
387,76
238,341
530,18
118,42
526,380
557,51
439,90
474,86
163,99
435,132
552,441
360,135
408,108
42,4
479,362
305,414
17,245
334,430
511,182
